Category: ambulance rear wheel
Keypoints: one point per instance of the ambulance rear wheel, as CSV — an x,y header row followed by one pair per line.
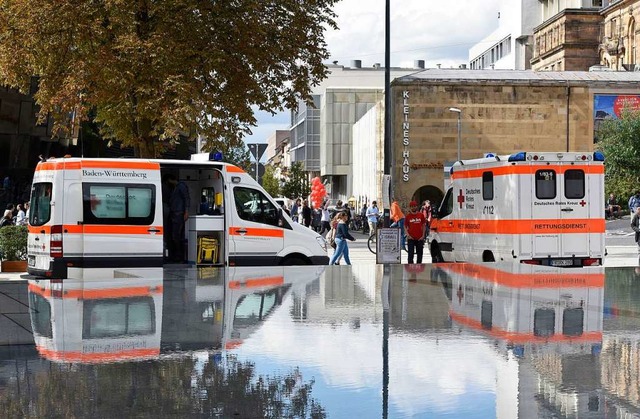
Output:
x,y
436,254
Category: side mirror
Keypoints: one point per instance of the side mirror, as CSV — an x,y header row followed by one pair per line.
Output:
x,y
434,213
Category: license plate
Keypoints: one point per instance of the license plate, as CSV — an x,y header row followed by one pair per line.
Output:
x,y
31,261
562,262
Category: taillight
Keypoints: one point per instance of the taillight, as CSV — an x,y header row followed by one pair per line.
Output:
x,y
55,243
590,262
531,262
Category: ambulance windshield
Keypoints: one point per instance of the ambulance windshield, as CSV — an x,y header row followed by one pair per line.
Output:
x,y
40,205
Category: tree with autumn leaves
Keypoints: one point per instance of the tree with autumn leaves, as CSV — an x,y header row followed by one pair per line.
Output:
x,y
156,71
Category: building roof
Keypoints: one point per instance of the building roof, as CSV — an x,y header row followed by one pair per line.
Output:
x,y
573,78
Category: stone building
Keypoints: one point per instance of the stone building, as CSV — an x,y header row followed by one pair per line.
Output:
x,y
567,41
502,111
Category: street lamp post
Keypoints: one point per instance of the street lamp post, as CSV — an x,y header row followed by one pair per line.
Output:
x,y
459,112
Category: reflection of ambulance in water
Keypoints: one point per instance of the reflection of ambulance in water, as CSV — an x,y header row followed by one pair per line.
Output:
x,y
536,208
524,305
545,323
147,313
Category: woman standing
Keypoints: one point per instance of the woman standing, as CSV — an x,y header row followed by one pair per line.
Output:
x,y
342,235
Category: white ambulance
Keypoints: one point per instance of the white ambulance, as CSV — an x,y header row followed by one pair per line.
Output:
x,y
112,213
536,208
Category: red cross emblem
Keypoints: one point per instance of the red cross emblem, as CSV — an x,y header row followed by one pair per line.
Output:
x,y
460,198
583,203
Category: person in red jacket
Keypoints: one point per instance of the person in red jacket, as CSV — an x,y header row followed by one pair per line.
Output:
x,y
415,225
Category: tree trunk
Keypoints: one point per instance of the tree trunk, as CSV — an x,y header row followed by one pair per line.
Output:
x,y
146,148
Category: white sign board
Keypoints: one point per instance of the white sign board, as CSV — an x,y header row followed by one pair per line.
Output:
x,y
388,246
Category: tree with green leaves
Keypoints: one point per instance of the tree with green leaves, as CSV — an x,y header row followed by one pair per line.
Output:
x,y
270,181
296,185
619,140
157,71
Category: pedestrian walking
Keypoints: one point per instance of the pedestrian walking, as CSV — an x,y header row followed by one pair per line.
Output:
x,y
342,235
306,213
295,208
427,211
635,225
397,216
325,219
634,202
372,217
415,224
21,218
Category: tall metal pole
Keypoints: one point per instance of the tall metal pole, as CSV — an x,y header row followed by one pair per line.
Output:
x,y
459,130
387,101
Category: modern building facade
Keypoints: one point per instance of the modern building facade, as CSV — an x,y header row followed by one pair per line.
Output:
x,y
321,135
509,46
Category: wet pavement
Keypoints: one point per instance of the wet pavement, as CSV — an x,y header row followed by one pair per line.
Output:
x,y
449,340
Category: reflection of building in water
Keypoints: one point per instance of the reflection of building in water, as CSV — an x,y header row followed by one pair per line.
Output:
x,y
548,324
620,357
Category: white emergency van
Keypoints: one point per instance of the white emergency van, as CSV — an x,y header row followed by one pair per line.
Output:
x,y
536,208
112,213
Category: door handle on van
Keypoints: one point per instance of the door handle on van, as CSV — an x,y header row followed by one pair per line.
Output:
x,y
567,209
153,230
241,231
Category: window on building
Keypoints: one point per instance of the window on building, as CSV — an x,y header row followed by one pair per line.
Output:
x,y
545,184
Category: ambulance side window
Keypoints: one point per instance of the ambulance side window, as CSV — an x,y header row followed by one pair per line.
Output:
x,y
574,184
253,205
487,186
40,204
545,184
446,207
131,204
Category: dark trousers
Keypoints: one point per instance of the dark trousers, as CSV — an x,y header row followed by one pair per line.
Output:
x,y
418,246
176,245
325,226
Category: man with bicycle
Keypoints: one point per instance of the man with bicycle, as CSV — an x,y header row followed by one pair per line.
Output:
x,y
372,215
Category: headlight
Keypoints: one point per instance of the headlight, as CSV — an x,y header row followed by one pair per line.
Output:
x,y
322,242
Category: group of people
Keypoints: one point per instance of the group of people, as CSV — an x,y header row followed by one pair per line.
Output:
x,y
414,228
15,215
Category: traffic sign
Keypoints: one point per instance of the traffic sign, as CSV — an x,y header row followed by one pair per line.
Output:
x,y
257,149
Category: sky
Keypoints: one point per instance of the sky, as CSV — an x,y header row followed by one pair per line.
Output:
x,y
439,32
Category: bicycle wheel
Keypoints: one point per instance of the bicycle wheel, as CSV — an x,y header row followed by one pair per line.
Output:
x,y
372,243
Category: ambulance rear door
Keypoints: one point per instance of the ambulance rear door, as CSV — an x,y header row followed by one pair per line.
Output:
x,y
122,214
546,196
575,210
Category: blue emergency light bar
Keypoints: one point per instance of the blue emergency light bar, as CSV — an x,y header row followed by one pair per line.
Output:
x,y
521,156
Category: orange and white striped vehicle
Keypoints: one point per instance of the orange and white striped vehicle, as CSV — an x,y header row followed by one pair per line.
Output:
x,y
537,208
523,305
103,214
